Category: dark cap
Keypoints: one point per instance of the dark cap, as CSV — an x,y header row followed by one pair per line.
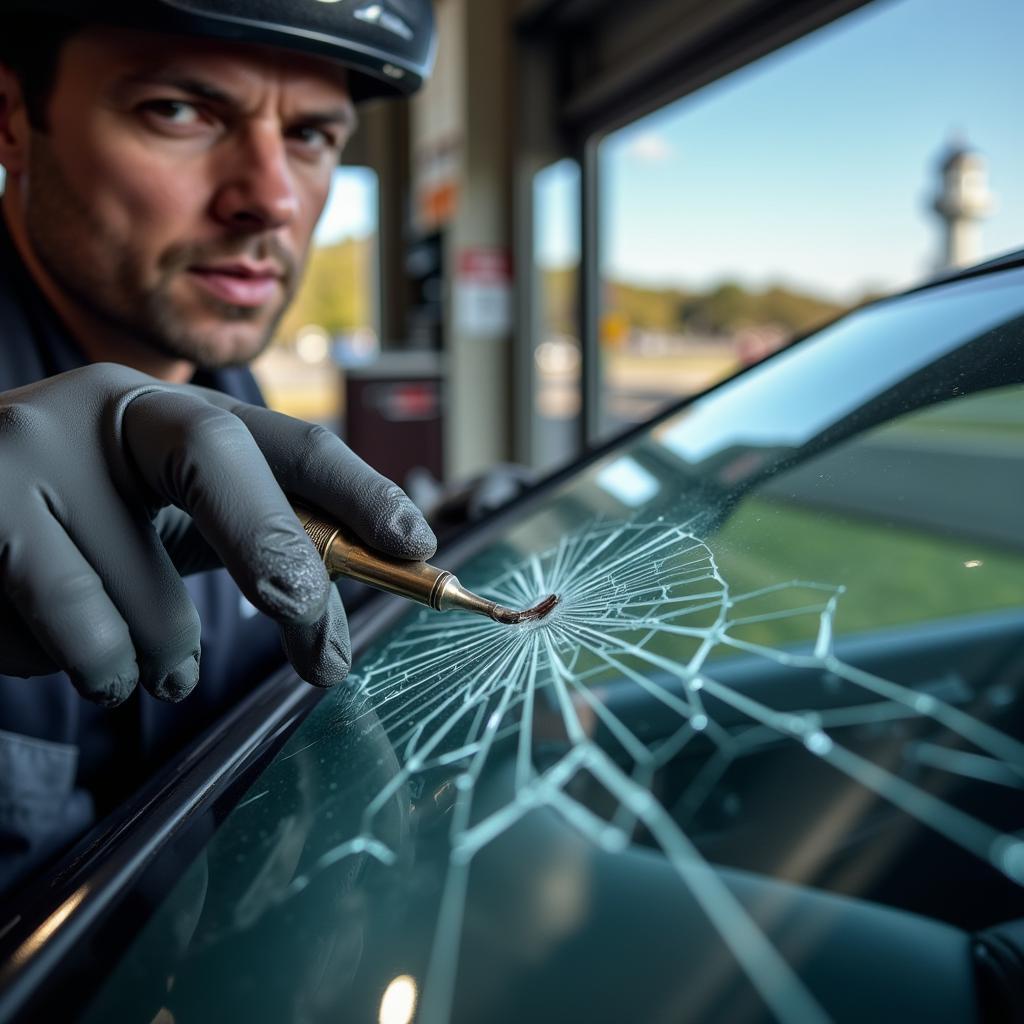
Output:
x,y
388,45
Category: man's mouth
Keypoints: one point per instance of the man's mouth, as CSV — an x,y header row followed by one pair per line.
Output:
x,y
240,284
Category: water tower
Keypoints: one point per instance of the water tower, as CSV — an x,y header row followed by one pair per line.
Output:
x,y
963,200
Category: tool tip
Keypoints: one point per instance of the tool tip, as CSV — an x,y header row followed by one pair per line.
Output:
x,y
511,617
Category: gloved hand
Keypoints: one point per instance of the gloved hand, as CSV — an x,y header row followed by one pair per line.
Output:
x,y
112,484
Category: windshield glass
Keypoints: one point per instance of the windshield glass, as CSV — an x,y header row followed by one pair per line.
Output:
x,y
785,662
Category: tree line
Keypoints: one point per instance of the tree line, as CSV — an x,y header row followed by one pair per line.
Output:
x,y
339,286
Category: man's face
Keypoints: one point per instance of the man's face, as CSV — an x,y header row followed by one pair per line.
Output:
x,y
175,192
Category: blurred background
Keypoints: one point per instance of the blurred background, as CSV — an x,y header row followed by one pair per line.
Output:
x,y
595,209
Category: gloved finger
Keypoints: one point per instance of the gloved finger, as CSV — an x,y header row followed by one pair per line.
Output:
x,y
20,652
188,549
321,652
202,459
62,599
145,587
313,465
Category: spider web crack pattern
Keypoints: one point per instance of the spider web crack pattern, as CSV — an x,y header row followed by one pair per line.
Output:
x,y
449,690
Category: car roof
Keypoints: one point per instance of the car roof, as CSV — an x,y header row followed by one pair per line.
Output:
x,y
1013,258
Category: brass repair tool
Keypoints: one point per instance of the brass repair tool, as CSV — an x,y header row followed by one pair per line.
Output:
x,y
437,588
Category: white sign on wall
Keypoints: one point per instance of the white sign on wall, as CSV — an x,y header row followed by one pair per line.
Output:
x,y
483,292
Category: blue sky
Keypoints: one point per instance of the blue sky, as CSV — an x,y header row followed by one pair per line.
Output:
x,y
815,166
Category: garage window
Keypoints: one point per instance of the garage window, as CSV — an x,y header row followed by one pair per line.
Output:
x,y
851,163
333,322
557,360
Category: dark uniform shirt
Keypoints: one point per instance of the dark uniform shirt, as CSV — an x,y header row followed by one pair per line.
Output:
x,y
65,762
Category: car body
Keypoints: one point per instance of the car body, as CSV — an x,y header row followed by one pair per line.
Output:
x,y
764,760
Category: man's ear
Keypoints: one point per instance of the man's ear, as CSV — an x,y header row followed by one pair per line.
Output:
x,y
14,126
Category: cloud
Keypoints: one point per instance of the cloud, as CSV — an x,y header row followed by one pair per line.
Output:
x,y
650,148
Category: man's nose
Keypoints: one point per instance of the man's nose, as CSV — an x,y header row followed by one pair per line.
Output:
x,y
257,191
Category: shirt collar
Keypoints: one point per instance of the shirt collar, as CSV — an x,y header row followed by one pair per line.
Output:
x,y
53,342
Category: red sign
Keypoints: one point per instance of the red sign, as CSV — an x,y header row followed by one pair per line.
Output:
x,y
485,266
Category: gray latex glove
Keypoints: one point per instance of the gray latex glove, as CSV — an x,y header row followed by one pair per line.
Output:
x,y
113,483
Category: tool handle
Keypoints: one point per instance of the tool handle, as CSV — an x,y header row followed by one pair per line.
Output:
x,y
343,555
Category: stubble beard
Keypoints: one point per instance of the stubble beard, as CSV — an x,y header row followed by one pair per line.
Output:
x,y
101,274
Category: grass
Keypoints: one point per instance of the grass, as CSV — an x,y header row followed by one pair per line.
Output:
x,y
991,414
892,575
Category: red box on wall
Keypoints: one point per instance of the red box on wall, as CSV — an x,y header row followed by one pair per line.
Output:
x,y
394,413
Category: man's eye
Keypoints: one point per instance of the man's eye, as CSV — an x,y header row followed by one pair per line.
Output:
x,y
174,112
316,138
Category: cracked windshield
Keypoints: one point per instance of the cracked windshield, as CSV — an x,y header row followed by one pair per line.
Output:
x,y
787,660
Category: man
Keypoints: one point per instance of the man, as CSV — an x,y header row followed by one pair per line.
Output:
x,y
165,166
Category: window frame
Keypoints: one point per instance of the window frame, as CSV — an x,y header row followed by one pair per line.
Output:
x,y
570,100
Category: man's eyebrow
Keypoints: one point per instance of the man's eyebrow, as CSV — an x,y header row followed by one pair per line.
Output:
x,y
182,82
344,114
